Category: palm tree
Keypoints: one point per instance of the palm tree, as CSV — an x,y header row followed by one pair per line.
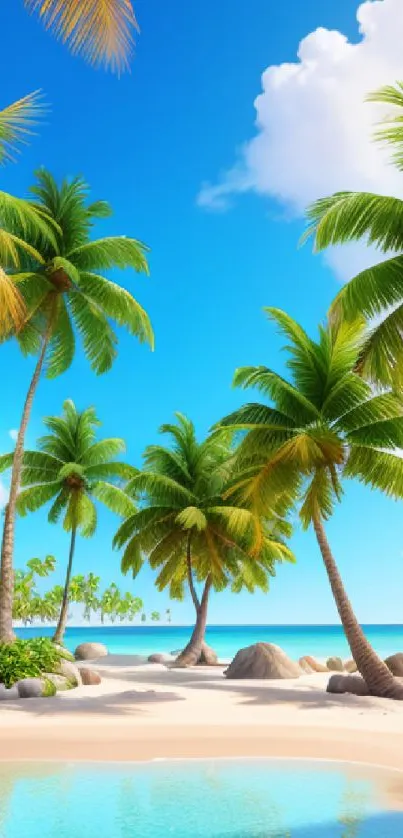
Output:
x,y
99,30
324,424
189,533
377,292
64,293
73,469
17,122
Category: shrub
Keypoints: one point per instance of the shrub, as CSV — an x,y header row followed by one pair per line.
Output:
x,y
28,659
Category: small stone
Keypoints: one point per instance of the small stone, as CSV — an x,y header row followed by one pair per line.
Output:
x,y
90,651
395,664
350,666
35,688
8,694
353,684
160,657
70,671
89,677
335,664
60,682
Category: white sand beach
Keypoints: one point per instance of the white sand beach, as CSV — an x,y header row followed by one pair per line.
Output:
x,y
148,711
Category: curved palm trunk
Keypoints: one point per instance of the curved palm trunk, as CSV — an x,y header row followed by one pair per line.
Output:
x,y
7,549
376,674
193,651
61,626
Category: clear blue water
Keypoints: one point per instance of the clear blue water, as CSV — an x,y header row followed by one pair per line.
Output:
x,y
211,799
320,641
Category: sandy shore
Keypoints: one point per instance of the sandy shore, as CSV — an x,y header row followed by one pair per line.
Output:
x,y
148,711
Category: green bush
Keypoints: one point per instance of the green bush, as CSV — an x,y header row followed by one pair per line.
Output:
x,y
28,659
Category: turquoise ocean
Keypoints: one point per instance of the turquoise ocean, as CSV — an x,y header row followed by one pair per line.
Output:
x,y
320,641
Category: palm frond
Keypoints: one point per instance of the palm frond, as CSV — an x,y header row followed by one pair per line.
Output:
x,y
114,498
391,128
17,122
118,304
350,216
99,30
111,252
31,499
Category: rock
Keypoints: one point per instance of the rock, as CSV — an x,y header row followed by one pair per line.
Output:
x,y
8,694
208,656
350,666
335,664
90,651
65,653
160,657
353,684
89,677
35,688
395,664
60,682
70,671
262,660
309,665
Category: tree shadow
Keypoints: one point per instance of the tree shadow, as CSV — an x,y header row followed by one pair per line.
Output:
x,y
128,703
262,693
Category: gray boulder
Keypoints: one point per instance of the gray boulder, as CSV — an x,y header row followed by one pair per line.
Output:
x,y
347,684
262,660
90,651
395,664
160,657
70,671
35,688
89,677
335,664
8,694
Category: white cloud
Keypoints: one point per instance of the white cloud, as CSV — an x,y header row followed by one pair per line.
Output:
x,y
3,495
313,128
13,433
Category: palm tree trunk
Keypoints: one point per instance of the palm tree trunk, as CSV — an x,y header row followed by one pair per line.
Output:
x,y
61,626
7,548
376,674
192,652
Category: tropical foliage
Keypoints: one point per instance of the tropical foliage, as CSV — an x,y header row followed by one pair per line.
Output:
x,y
29,659
376,292
321,426
189,533
64,292
73,470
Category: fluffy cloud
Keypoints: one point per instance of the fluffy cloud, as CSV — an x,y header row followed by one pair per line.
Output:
x,y
313,128
13,433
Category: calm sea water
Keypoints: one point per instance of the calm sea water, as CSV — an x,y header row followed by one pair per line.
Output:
x,y
320,641
211,799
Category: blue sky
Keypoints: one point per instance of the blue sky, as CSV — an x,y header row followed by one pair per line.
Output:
x,y
147,143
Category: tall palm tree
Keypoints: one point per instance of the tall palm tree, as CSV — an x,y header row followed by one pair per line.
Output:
x,y
324,424
99,30
17,122
65,293
73,469
189,533
377,219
